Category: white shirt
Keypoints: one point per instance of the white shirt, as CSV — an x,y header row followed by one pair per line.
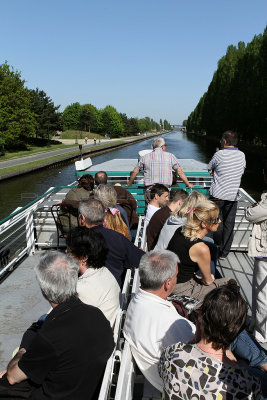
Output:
x,y
151,325
228,166
99,288
150,211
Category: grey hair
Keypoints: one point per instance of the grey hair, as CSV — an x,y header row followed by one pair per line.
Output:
x,y
156,267
107,195
158,142
57,275
93,211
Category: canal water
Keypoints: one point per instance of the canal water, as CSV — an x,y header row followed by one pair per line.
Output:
x,y
21,190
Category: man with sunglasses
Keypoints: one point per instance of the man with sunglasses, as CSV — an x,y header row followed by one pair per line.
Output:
x,y
226,167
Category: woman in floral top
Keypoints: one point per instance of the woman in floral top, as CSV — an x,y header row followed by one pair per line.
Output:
x,y
208,370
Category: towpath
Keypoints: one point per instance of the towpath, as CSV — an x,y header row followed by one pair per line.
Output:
x,y
44,155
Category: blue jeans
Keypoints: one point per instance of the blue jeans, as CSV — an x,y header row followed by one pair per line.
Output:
x,y
246,347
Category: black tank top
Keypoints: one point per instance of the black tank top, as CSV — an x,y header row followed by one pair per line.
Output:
x,y
180,245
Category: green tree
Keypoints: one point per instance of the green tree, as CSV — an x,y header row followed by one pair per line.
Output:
x,y
17,121
112,121
71,116
46,115
89,118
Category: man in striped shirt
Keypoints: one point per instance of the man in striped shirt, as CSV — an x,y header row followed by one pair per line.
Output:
x,y
158,166
227,167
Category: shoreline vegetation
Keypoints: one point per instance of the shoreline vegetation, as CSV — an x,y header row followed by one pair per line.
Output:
x,y
236,98
30,117
12,171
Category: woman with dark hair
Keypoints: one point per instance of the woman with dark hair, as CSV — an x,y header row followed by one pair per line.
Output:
x,y
194,254
257,248
208,370
96,284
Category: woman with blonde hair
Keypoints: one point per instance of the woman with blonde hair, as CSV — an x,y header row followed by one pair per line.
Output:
x,y
187,242
177,219
113,219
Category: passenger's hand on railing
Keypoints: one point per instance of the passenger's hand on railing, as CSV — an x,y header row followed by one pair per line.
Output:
x,y
128,185
190,185
2,373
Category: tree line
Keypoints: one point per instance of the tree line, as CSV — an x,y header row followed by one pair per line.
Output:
x,y
108,120
236,98
28,115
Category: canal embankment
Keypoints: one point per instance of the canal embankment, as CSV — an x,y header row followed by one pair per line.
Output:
x,y
25,165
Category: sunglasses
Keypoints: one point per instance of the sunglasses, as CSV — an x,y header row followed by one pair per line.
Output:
x,y
214,221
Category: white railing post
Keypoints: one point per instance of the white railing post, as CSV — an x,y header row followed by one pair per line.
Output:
x,y
30,233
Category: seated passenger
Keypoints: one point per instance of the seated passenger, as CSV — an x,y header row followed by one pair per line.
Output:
x,y
122,253
67,357
152,322
177,197
187,242
205,369
113,219
159,196
177,219
96,285
125,199
83,191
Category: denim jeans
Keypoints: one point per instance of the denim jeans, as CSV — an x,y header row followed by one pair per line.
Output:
x,y
246,347
225,234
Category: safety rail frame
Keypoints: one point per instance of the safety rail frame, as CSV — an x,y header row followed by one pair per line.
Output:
x,y
21,220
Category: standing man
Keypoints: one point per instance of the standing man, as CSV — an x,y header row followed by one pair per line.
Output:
x,y
158,166
227,167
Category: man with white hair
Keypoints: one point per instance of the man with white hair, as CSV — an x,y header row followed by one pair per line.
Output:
x,y
67,356
158,166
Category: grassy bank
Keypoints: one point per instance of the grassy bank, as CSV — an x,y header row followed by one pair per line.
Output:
x,y
71,134
34,150
50,160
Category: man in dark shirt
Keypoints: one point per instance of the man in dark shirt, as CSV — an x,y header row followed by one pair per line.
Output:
x,y
177,197
122,253
67,357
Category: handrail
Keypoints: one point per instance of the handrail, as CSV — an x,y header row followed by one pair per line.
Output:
x,y
31,203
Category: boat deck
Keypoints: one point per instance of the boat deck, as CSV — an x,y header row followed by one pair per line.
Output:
x,y
28,304
21,304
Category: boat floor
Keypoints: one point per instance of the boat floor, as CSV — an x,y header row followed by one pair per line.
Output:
x,y
22,302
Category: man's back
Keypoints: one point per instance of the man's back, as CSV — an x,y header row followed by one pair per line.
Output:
x,y
158,166
68,355
122,253
151,325
155,225
228,167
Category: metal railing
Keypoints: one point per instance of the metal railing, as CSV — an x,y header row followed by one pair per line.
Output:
x,y
17,232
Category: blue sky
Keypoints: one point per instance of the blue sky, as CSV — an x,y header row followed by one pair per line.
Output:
x,y
151,58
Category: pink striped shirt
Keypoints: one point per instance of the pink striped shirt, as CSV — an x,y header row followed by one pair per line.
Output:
x,y
158,166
